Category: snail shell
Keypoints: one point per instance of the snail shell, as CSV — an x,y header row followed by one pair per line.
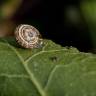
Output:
x,y
28,36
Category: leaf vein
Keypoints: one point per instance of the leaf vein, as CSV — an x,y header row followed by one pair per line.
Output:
x,y
50,76
13,76
31,75
41,52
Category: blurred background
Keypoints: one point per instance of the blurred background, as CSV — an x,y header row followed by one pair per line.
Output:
x,y
66,22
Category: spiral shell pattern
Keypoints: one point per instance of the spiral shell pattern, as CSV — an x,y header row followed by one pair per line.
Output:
x,y
28,36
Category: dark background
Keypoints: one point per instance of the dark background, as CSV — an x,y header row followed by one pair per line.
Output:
x,y
49,17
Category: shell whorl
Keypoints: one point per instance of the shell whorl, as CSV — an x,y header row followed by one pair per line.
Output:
x,y
27,36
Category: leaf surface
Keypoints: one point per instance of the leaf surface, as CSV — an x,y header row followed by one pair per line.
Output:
x,y
51,70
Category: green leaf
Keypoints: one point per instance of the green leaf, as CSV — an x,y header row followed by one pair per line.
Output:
x,y
48,71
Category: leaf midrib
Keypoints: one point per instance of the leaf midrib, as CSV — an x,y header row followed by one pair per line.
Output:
x,y
31,75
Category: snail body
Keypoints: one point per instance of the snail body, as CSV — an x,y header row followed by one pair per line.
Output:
x,y
28,36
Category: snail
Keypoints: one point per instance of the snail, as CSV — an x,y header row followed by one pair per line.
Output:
x,y
28,36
